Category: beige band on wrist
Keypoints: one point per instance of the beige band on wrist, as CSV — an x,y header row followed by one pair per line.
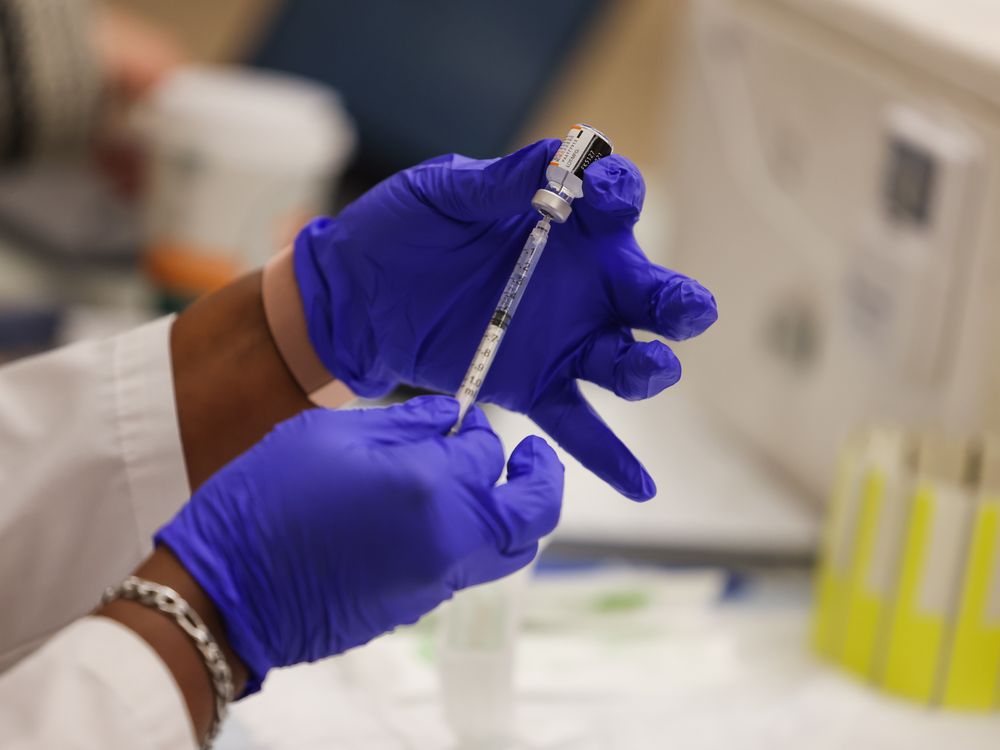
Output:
x,y
283,310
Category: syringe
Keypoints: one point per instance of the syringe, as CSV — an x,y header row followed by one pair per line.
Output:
x,y
581,147
482,360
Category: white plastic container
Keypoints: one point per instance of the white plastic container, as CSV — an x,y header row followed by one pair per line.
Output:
x,y
477,657
240,159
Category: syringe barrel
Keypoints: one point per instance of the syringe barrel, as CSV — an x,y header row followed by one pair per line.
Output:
x,y
482,361
511,297
582,146
513,290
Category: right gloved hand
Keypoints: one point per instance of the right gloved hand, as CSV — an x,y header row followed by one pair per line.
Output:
x,y
340,525
401,285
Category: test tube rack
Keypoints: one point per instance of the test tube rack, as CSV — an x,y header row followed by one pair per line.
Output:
x,y
908,581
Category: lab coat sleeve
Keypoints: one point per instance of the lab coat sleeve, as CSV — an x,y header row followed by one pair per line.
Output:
x,y
90,466
94,685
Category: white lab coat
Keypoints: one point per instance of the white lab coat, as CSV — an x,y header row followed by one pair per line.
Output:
x,y
90,466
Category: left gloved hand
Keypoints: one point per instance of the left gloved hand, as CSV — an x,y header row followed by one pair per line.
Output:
x,y
400,286
340,525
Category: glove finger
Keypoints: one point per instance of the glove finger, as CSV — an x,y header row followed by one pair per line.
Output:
x,y
515,515
417,419
476,449
648,296
613,191
573,423
530,502
665,302
629,369
484,189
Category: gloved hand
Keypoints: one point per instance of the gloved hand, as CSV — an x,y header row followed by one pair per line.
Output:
x,y
340,525
399,289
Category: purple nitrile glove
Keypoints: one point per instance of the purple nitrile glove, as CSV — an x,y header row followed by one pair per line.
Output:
x,y
340,525
399,289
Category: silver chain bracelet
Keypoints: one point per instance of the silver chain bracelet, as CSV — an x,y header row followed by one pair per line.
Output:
x,y
168,601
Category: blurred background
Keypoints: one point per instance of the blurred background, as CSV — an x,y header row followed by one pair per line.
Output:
x,y
821,567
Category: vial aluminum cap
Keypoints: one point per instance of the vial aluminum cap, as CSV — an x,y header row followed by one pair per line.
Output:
x,y
552,205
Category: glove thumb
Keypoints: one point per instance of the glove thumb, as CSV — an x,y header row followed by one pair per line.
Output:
x,y
467,189
613,192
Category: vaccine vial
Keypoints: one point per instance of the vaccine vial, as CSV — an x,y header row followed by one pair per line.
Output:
x,y
582,146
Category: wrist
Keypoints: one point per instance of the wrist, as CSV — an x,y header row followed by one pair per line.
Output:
x,y
230,384
173,645
286,321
